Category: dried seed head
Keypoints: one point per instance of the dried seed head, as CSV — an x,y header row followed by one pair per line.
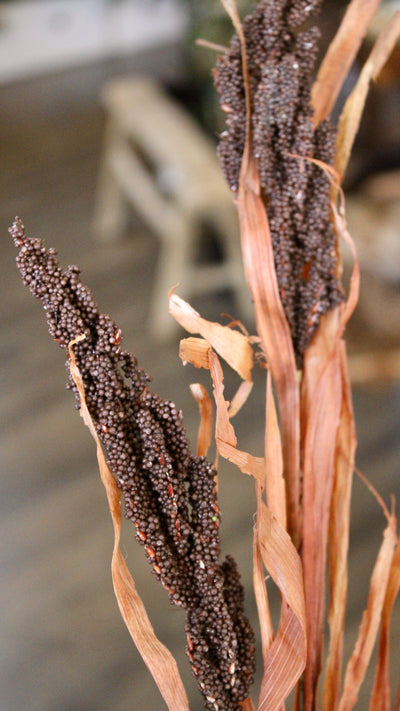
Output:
x,y
296,191
170,495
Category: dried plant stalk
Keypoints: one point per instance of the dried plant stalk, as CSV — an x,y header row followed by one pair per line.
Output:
x,y
283,161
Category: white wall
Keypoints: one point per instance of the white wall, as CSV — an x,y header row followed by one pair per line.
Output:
x,y
38,36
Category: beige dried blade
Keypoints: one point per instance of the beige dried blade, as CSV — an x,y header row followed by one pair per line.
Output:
x,y
351,115
360,658
286,657
200,353
339,527
232,346
240,397
275,484
225,437
380,698
195,351
156,656
340,56
260,590
204,436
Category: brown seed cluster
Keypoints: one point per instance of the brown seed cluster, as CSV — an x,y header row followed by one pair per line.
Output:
x,y
281,53
169,494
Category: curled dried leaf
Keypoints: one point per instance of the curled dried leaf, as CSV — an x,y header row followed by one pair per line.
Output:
x,y
231,345
204,436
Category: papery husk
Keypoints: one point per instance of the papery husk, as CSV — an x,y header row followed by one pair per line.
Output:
x,y
204,435
156,656
381,696
340,56
232,346
339,529
359,660
351,115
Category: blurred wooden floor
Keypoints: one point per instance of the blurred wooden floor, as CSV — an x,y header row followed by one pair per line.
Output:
x,y
63,646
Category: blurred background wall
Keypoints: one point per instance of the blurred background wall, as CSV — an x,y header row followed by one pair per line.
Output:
x,y
63,646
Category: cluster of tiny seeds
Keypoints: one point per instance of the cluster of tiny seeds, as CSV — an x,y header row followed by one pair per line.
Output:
x,y
169,494
296,191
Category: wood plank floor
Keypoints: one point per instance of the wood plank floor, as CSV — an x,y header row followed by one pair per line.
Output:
x,y
63,646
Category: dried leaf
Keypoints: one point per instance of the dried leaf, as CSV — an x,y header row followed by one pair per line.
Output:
x,y
275,484
232,346
225,437
156,656
340,56
354,290
272,326
380,698
204,435
247,705
200,353
240,397
351,115
285,659
321,407
247,463
359,660
195,351
260,590
339,526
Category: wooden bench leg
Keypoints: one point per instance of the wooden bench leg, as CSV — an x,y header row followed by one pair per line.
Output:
x,y
111,210
174,256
